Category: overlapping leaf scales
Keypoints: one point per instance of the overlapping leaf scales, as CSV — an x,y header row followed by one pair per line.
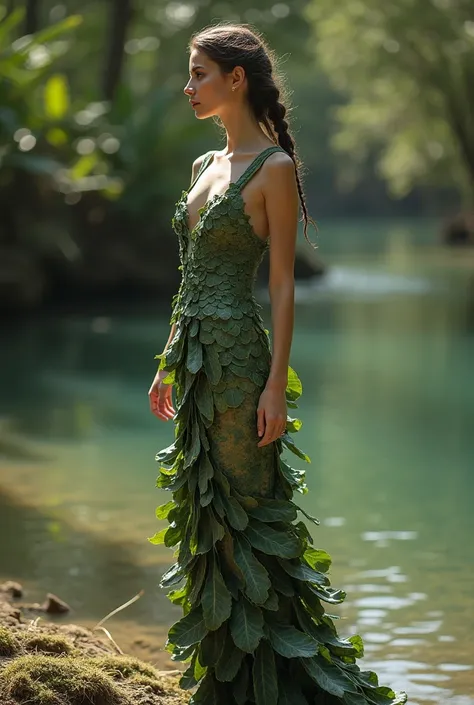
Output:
x,y
291,642
257,581
212,645
270,510
246,625
235,514
216,599
229,662
268,540
264,675
189,630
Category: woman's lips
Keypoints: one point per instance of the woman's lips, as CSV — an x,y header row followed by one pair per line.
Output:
x,y
194,103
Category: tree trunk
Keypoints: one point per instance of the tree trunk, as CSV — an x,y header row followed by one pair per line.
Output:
x,y
120,18
32,16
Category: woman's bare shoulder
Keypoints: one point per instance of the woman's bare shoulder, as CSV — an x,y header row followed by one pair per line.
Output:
x,y
278,161
278,172
199,160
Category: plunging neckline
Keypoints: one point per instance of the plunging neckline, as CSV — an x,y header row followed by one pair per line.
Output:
x,y
224,194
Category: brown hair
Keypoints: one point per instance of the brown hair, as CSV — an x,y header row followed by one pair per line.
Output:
x,y
230,45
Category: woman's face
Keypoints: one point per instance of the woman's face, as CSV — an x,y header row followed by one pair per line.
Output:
x,y
208,89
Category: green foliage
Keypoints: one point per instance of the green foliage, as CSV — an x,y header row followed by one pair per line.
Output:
x,y
291,642
407,69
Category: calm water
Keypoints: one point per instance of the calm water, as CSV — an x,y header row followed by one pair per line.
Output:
x,y
385,350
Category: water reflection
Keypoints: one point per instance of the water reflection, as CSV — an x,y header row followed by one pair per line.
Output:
x,y
385,355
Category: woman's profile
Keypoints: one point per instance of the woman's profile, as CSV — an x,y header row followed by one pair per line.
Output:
x,y
252,587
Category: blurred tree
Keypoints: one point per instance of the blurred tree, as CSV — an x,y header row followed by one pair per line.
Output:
x,y
32,16
120,19
407,68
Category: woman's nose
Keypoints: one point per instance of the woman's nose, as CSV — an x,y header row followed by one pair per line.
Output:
x,y
187,89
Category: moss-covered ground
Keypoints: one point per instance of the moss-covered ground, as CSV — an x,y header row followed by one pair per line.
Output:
x,y
45,663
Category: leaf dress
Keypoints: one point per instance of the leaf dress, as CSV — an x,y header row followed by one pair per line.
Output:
x,y
251,585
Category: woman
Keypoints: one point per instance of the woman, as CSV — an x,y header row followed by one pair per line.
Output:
x,y
254,628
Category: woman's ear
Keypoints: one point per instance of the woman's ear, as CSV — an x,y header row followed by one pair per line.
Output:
x,y
238,77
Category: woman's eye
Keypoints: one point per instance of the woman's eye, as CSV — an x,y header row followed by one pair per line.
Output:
x,y
199,75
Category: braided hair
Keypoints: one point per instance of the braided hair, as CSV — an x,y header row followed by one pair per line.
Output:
x,y
230,45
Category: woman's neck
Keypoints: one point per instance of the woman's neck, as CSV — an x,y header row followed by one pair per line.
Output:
x,y
243,132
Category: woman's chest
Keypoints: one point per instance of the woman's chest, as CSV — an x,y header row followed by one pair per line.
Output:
x,y
228,209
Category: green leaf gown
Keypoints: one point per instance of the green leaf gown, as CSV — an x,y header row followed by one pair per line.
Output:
x,y
250,583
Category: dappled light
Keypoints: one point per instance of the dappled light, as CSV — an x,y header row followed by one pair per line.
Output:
x,y
97,142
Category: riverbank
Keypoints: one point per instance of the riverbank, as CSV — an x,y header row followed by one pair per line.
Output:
x,y
50,663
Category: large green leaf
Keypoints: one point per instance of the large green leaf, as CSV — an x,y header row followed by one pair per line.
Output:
x,y
318,559
163,510
188,679
329,595
216,599
212,366
294,477
206,472
268,540
194,355
257,582
229,662
168,455
172,576
190,629
294,388
329,677
246,501
193,442
269,510
209,530
212,646
358,644
308,516
290,642
204,398
306,622
264,675
272,602
197,578
293,425
206,693
159,537
246,625
302,571
236,516
291,445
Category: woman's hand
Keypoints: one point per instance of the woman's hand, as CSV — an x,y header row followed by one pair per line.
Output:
x,y
271,414
161,398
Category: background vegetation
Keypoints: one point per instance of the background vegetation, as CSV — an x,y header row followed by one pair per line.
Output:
x,y
97,139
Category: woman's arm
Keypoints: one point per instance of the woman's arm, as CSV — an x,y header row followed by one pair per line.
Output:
x,y
282,207
195,168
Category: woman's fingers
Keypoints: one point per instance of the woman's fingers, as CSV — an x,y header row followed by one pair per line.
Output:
x,y
269,433
273,430
160,404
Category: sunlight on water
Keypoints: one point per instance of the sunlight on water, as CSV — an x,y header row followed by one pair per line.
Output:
x,y
384,347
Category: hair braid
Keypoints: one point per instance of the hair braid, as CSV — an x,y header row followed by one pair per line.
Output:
x,y
276,113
